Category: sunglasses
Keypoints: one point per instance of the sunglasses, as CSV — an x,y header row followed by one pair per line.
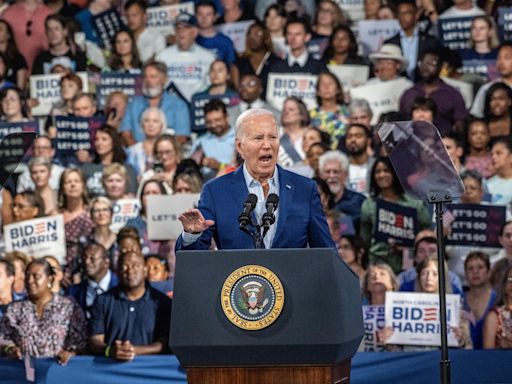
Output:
x,y
28,31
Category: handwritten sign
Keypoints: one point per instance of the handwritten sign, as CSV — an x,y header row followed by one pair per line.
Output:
x,y
476,225
37,237
280,86
163,213
414,318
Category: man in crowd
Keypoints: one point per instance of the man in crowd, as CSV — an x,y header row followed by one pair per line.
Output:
x,y
218,144
357,140
250,89
149,41
389,64
187,62
208,37
83,105
131,319
257,142
451,110
154,95
333,167
97,276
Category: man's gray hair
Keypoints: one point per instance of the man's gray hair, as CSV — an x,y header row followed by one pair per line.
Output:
x,y
249,114
362,104
332,156
161,116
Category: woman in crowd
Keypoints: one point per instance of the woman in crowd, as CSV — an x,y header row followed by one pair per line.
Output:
x,y
478,156
187,183
498,323
20,261
13,106
58,275
116,182
27,205
384,185
101,214
167,155
45,324
159,273
479,299
379,279
483,42
500,185
108,149
70,85
314,135
342,48
331,115
498,109
17,69
40,170
313,154
73,201
124,56
294,120
257,57
140,156
220,85
328,16
352,251
275,20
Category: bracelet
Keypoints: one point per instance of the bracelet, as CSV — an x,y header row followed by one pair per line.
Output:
x,y
107,351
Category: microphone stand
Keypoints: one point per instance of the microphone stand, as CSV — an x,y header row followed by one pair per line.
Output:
x,y
256,236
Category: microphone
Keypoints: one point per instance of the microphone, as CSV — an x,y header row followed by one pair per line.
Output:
x,y
245,217
268,217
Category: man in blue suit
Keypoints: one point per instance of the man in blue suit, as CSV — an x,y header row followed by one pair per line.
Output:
x,y
300,221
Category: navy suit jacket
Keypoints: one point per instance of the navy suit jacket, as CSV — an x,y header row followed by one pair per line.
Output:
x,y
301,219
79,291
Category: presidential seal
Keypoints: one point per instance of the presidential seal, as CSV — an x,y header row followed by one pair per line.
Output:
x,y
252,297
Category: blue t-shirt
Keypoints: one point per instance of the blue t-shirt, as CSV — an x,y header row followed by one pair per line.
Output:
x,y
220,45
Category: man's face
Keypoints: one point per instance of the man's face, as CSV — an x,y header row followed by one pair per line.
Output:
x,y
506,239
504,62
334,175
387,69
296,37
83,107
258,145
132,271
423,250
217,122
95,264
406,16
360,116
356,141
430,67
43,148
135,18
55,32
185,36
250,88
205,17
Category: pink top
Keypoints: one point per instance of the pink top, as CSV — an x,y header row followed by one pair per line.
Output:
x,y
481,164
18,17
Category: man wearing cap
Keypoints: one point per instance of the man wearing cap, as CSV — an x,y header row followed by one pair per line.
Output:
x,y
187,62
410,39
388,64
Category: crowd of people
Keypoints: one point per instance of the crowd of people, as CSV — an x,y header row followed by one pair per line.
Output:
x,y
111,293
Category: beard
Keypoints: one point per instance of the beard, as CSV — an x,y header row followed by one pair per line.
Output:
x,y
335,188
355,151
153,92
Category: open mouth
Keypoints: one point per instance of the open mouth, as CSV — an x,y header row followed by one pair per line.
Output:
x,y
265,159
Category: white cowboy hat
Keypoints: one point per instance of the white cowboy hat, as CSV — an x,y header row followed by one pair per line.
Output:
x,y
390,52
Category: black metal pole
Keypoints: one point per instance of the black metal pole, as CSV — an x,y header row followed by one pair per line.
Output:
x,y
438,198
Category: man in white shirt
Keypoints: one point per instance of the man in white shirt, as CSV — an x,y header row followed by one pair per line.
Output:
x,y
187,63
357,139
149,41
462,8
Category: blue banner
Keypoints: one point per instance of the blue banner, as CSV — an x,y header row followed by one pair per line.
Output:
x,y
127,83
200,100
485,68
12,149
75,133
455,32
106,24
505,23
395,222
475,225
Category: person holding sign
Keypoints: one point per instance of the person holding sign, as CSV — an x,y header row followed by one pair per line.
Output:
x,y
222,198
378,280
384,185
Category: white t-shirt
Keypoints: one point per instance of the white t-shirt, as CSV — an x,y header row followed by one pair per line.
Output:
x,y
357,178
455,12
500,189
149,43
188,70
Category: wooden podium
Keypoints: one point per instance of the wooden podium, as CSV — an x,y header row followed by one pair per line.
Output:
x,y
311,341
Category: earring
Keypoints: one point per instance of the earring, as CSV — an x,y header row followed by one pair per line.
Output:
x,y
49,285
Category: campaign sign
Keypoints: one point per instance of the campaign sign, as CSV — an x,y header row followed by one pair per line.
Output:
x,y
316,47
236,32
75,133
372,33
350,76
12,149
476,225
373,320
354,8
281,85
197,108
485,68
163,213
106,24
37,237
455,32
162,18
46,89
7,128
128,83
415,318
395,222
383,97
505,23
124,210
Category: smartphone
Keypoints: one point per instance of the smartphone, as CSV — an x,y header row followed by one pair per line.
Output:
x,y
158,167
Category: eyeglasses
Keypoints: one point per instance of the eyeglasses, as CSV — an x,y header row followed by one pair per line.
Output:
x,y
95,211
28,30
162,153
